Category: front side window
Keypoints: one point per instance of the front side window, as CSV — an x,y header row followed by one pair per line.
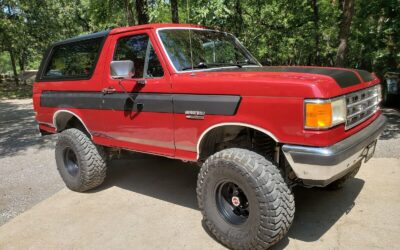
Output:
x,y
140,51
74,60
210,49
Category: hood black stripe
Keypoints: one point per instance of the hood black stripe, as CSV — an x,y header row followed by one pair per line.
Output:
x,y
343,77
365,75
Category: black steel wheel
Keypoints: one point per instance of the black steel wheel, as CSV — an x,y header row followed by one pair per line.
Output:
x,y
71,161
232,202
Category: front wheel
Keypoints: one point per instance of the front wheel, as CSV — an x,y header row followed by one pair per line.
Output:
x,y
244,200
81,163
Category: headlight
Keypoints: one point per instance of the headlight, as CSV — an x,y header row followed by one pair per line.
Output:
x,y
378,90
324,114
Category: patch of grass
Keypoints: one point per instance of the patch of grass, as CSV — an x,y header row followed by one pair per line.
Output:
x,y
9,90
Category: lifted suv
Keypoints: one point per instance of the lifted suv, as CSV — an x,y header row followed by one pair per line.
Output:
x,y
198,95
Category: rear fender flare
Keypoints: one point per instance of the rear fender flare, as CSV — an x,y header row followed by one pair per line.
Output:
x,y
61,117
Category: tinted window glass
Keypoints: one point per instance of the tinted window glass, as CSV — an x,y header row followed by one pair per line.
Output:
x,y
154,68
75,60
139,50
210,49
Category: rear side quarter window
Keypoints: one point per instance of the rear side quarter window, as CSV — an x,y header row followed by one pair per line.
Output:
x,y
71,61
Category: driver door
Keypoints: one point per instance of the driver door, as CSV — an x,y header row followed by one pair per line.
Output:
x,y
142,121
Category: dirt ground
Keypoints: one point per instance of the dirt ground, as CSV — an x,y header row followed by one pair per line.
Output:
x,y
150,202
9,90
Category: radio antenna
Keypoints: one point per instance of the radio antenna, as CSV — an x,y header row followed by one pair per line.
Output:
x,y
190,34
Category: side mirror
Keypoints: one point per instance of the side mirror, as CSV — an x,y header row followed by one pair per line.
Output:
x,y
122,69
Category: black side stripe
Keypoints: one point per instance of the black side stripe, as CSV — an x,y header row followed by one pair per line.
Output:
x,y
160,103
210,104
143,102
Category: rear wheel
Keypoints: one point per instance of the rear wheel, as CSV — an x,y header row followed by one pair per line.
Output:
x,y
244,200
81,164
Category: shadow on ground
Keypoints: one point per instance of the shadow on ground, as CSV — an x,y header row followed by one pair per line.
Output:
x,y
173,181
317,210
165,179
18,130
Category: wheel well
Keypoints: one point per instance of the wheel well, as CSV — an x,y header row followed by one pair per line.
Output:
x,y
230,136
66,120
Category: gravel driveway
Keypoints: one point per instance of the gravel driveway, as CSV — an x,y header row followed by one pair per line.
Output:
x,y
28,175
27,166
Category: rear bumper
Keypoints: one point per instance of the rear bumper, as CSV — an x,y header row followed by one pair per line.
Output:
x,y
319,166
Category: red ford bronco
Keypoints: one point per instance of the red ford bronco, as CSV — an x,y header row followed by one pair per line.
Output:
x,y
195,94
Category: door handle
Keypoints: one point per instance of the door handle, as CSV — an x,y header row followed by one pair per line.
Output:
x,y
108,90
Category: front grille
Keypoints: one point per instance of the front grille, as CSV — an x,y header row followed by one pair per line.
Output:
x,y
361,105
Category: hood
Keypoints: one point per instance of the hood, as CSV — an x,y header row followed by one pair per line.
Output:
x,y
343,77
305,82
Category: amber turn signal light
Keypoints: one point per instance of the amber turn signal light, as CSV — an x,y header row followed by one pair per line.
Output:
x,y
323,114
318,115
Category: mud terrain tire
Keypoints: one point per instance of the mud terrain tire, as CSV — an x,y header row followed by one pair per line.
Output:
x,y
257,183
81,164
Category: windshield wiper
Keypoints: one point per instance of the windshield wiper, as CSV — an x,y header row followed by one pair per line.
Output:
x,y
226,64
204,66
198,66
247,62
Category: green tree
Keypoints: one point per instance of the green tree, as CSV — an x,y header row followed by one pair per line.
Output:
x,y
350,33
28,27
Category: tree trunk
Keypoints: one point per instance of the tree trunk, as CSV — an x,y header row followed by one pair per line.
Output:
x,y
174,11
239,21
347,7
8,45
14,67
21,62
392,43
129,13
141,11
314,6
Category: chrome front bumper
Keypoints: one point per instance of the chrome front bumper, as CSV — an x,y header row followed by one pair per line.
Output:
x,y
319,166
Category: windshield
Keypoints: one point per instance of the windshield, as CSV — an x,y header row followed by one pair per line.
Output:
x,y
210,49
